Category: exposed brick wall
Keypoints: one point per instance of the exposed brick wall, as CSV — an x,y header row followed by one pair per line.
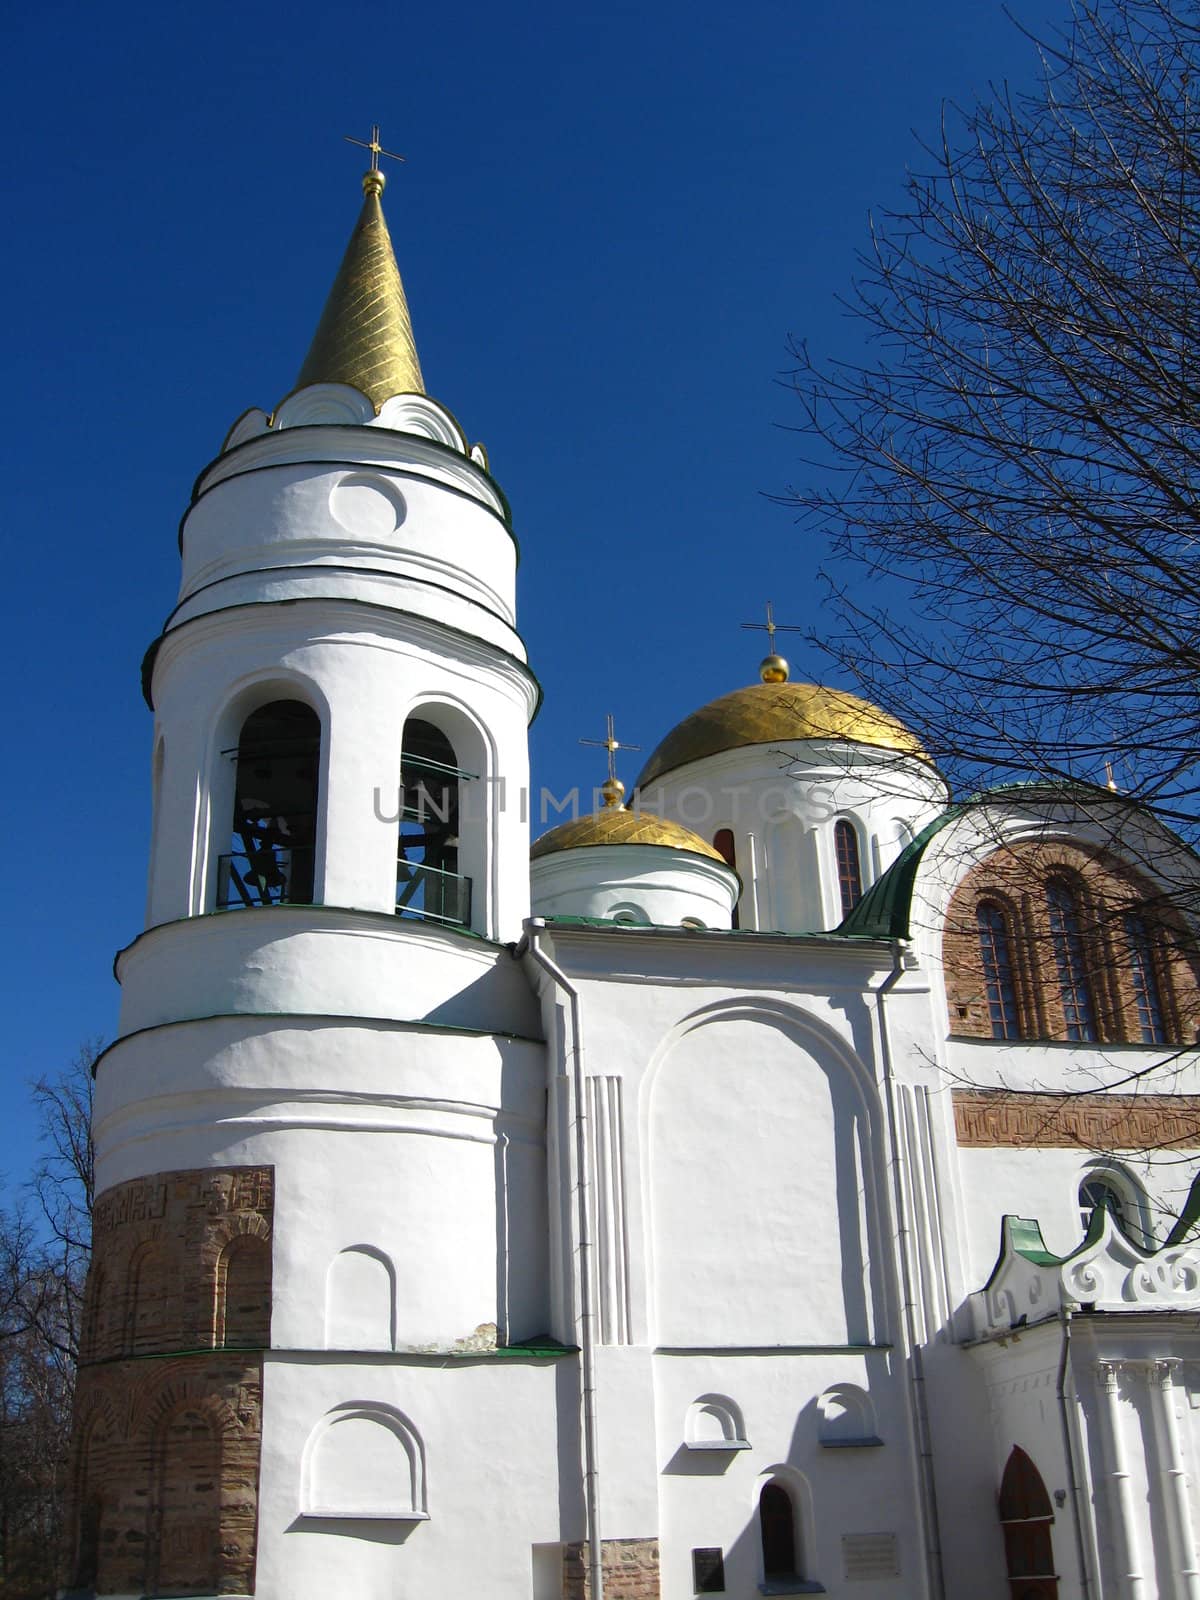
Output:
x,y
1015,879
168,1424
630,1570
165,1475
984,1117
165,1250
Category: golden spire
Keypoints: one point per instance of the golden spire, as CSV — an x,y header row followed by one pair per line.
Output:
x,y
772,668
613,789
365,337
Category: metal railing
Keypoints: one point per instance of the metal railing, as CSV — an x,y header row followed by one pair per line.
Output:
x,y
272,875
432,894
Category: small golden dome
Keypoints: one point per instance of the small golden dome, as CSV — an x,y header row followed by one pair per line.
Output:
x,y
616,825
772,713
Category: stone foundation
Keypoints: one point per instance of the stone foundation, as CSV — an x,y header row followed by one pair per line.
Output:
x,y
630,1570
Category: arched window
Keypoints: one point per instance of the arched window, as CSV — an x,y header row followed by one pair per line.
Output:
x,y
428,882
242,1316
1026,1515
1070,959
1099,1193
1143,971
1119,1195
726,848
849,868
271,857
777,1528
996,953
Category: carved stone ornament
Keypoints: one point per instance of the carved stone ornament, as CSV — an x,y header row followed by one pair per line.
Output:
x,y
1108,1272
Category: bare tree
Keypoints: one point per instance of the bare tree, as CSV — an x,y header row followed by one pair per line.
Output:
x,y
1010,477
45,1245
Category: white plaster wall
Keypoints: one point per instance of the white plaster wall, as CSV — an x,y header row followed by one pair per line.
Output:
x,y
663,886
426,1147
710,1499
388,534
783,801
763,1205
490,1431
321,961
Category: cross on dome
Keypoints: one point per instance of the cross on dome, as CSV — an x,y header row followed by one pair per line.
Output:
x,y
613,790
773,668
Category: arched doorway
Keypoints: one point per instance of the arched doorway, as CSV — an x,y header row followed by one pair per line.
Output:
x,y
1026,1515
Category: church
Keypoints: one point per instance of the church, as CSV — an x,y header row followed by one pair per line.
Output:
x,y
773,1181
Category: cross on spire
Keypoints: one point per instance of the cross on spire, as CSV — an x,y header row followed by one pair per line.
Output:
x,y
373,145
612,744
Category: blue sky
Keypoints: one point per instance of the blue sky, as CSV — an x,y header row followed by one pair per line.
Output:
x,y
609,223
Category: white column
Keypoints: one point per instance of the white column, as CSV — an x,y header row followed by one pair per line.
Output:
x,y
1126,1557
1177,1511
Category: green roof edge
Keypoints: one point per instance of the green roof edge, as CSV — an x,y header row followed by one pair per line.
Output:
x,y
884,911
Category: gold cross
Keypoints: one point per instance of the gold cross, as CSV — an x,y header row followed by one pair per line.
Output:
x,y
373,145
770,627
612,744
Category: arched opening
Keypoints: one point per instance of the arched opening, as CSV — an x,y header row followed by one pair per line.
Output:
x,y
777,1531
999,973
185,1515
1026,1515
429,884
364,1461
1070,959
242,1315
849,865
151,1304
271,860
726,848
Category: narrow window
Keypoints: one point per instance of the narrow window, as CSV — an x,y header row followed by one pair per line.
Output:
x,y
1147,995
1026,1515
723,844
271,858
845,839
777,1526
1070,959
995,949
428,882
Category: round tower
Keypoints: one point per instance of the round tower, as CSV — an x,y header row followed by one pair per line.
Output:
x,y
320,1134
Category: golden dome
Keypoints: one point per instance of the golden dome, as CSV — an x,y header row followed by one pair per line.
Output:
x,y
616,825
771,713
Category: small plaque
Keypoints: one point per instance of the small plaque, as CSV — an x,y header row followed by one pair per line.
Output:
x,y
708,1571
870,1555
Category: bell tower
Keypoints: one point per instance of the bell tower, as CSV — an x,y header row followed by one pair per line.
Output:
x,y
320,1148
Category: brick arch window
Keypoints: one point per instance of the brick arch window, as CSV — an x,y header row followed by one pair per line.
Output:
x,y
849,865
1059,940
1072,959
999,970
1026,1516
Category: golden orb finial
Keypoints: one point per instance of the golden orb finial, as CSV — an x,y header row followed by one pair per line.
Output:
x,y
613,791
773,669
374,181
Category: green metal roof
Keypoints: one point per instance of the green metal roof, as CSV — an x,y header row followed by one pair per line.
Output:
x,y
885,909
